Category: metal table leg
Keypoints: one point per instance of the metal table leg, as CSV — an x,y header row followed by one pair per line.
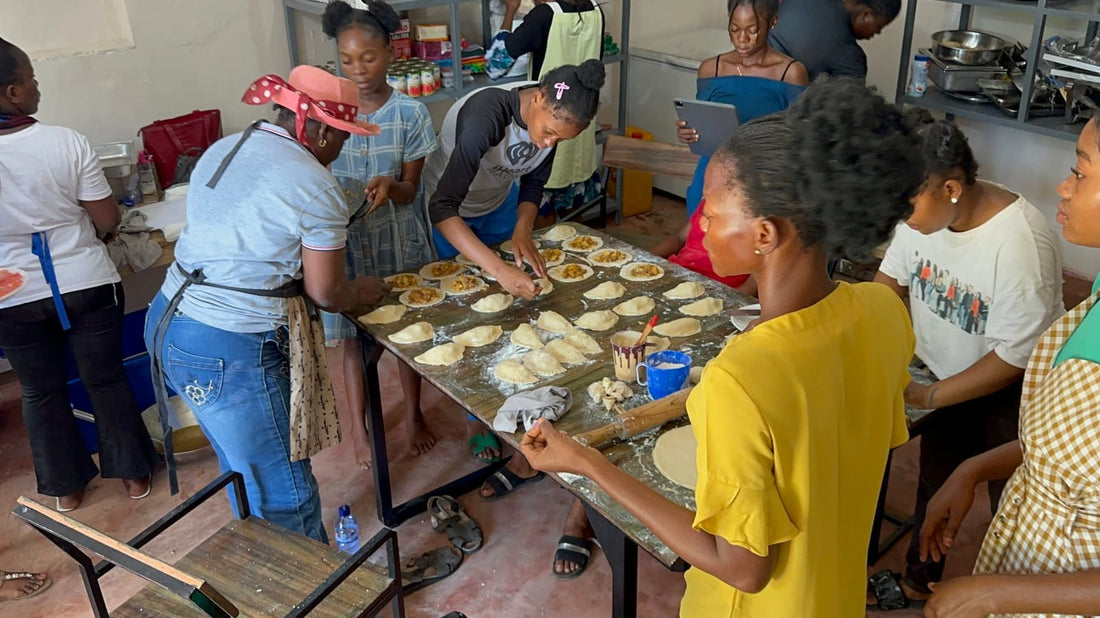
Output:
x,y
394,515
622,554
878,547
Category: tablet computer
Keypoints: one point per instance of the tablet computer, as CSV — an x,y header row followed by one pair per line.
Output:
x,y
715,122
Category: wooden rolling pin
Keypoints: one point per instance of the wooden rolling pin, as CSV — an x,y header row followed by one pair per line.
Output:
x,y
637,420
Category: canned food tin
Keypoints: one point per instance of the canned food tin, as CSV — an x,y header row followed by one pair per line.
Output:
x,y
412,80
437,76
427,80
397,82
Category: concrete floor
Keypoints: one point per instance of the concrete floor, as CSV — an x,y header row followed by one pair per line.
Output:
x,y
509,578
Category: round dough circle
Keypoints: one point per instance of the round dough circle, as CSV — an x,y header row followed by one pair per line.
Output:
x,y
608,290
441,270
404,281
557,273
506,246
559,233
686,291
479,336
674,456
684,327
513,372
639,305
526,336
598,320
609,257
442,355
414,333
462,285
436,297
582,244
493,303
703,307
627,272
385,314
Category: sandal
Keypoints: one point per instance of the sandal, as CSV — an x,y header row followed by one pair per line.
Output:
x,y
482,442
15,576
448,516
504,482
429,567
575,550
886,586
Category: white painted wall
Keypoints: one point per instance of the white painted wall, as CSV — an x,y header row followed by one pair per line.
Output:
x,y
197,54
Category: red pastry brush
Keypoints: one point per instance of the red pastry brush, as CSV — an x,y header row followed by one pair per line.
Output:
x,y
648,329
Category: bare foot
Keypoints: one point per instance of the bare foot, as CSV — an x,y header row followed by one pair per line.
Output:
x,y
421,439
19,586
576,525
361,447
517,465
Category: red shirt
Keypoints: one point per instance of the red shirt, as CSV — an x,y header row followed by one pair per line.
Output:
x,y
694,257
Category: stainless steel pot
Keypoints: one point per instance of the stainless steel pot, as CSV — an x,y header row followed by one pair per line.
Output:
x,y
967,47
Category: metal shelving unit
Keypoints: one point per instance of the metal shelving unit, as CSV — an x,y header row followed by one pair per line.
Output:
x,y
1085,10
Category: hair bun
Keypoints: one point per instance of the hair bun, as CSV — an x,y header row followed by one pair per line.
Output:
x,y
385,15
335,13
591,74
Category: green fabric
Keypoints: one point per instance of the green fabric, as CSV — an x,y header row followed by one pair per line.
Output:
x,y
1084,343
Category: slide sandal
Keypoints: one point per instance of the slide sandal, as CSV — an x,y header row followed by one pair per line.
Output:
x,y
504,482
429,567
449,517
575,550
483,442
15,579
886,586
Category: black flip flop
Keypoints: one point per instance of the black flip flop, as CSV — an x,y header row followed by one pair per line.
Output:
x,y
886,586
504,482
429,567
575,550
449,517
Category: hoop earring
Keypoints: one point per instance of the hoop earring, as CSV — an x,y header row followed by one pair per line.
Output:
x,y
321,143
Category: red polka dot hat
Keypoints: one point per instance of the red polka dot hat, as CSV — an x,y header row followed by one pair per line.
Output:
x,y
313,93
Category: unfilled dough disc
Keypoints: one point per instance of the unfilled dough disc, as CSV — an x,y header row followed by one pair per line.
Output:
x,y
542,363
561,350
608,290
422,297
641,271
583,342
545,286
674,456
506,246
639,305
553,322
686,290
385,314
525,335
442,355
414,333
559,233
703,307
684,327
404,281
609,257
513,372
479,336
597,320
582,244
462,285
570,273
494,303
441,270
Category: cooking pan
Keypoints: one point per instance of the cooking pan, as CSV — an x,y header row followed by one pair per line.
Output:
x,y
967,47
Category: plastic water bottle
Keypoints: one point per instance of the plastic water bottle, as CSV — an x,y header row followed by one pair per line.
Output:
x,y
918,76
133,190
347,531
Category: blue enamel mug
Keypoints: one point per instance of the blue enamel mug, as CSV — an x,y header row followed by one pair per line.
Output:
x,y
664,373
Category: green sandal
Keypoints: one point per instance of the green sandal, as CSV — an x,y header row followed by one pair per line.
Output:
x,y
482,442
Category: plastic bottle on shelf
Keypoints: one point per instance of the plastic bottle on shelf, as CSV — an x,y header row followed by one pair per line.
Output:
x,y
133,190
347,530
147,174
918,76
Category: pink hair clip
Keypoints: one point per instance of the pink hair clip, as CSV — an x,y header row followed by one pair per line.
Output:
x,y
561,87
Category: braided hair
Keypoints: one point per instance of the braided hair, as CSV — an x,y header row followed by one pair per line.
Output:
x,y
574,91
380,20
765,10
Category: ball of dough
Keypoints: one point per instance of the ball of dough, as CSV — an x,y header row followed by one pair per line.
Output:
x,y
513,372
554,322
414,333
479,336
686,290
542,363
442,355
608,290
639,305
525,335
562,351
494,303
684,327
703,307
597,320
385,314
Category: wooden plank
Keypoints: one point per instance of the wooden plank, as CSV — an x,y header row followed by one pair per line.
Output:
x,y
674,160
266,570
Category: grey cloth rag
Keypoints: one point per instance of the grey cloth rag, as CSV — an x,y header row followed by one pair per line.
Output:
x,y
132,245
549,402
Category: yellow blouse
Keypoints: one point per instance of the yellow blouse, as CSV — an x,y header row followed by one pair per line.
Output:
x,y
794,420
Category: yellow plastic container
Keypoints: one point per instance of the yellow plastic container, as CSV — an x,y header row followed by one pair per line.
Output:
x,y
638,186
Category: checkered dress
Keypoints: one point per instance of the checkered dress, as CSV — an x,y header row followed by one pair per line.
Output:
x,y
1049,516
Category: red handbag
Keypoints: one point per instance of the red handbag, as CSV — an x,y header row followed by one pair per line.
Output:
x,y
184,137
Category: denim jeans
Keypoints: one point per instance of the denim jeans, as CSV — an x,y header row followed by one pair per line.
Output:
x,y
238,386
33,340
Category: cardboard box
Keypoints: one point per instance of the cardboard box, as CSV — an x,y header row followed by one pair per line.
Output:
x,y
402,48
431,32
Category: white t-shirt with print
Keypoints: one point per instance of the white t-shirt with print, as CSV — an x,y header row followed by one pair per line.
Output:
x,y
44,172
996,287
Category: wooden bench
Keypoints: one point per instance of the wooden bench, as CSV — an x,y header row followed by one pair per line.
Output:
x,y
250,567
